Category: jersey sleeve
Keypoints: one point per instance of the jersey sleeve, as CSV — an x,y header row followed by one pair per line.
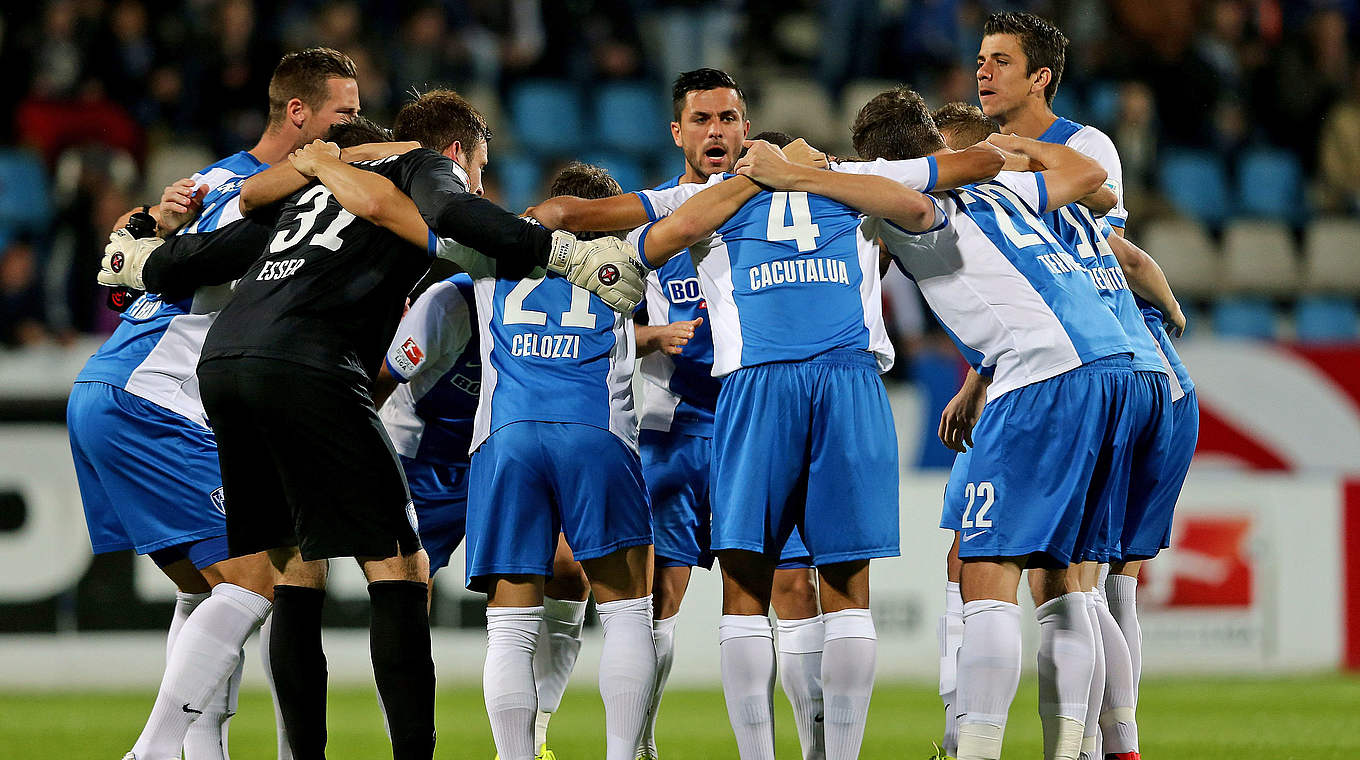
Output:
x,y
1091,142
452,212
187,262
662,203
1030,186
919,174
438,324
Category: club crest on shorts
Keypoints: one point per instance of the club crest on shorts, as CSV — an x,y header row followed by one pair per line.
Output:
x,y
116,261
608,274
219,501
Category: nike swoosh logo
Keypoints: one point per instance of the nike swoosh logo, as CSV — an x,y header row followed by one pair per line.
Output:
x,y
189,709
974,535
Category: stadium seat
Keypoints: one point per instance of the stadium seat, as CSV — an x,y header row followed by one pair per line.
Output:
x,y
25,201
546,115
1185,252
1197,185
1258,258
1070,105
631,117
1326,319
1269,185
170,162
520,179
1102,103
1244,317
624,169
801,108
1331,256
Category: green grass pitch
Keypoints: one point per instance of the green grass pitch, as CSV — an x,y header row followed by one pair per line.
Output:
x,y
1234,718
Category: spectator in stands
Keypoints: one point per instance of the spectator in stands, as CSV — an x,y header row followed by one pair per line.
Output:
x,y
21,299
1339,152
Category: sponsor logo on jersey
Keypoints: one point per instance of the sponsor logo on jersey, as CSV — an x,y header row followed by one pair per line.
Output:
x,y
412,351
145,308
468,385
684,291
277,270
792,271
546,346
219,500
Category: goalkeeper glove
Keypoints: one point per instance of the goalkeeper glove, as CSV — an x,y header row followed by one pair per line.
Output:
x,y
608,267
124,258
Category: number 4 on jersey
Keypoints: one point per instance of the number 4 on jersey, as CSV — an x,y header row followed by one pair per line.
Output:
x,y
802,231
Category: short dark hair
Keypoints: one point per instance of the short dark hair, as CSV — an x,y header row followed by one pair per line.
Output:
x,y
895,124
775,137
1044,45
700,80
585,181
440,118
303,74
966,121
357,130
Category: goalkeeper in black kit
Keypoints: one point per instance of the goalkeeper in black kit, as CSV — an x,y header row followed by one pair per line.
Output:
x,y
285,373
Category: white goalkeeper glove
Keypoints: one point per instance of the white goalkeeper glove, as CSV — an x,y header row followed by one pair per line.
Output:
x,y
608,267
124,258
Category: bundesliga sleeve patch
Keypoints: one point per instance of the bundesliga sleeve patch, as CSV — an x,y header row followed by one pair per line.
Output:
x,y
409,357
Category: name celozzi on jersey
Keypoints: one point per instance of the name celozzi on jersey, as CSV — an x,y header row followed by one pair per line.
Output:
x,y
546,346
799,270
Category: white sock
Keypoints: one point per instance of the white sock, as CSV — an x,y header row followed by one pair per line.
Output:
x,y
799,644
508,678
207,736
627,673
1118,727
1066,663
851,651
746,654
950,637
559,644
541,726
285,750
663,640
1122,593
989,673
206,652
185,604
1090,735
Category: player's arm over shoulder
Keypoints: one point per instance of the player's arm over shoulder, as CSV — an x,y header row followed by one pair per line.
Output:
x,y
187,262
1109,199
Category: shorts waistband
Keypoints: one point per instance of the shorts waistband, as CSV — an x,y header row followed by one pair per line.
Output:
x,y
855,357
1111,363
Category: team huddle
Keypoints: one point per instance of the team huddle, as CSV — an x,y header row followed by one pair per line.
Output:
x,y
273,400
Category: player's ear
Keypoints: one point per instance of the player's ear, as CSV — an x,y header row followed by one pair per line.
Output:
x,y
297,112
455,152
675,133
746,128
1041,79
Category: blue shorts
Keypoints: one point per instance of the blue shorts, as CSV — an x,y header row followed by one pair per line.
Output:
x,y
439,493
148,477
1147,418
810,445
1043,469
951,516
1152,532
676,467
531,480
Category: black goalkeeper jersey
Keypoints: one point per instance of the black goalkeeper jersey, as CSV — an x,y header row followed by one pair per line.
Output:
x,y
329,289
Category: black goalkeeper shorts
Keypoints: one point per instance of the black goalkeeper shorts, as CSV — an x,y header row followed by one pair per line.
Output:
x,y
305,461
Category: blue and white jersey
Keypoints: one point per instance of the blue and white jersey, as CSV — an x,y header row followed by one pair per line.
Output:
x,y
787,277
551,352
1013,298
436,358
1181,383
154,351
1085,235
679,392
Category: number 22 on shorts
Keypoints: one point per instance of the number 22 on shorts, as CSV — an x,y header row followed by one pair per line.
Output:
x,y
983,492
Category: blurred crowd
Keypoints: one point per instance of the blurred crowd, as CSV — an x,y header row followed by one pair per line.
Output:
x,y
101,88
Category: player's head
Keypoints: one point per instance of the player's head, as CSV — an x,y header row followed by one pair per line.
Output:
x,y
775,137
710,120
357,130
585,181
311,90
895,124
443,121
1020,63
963,124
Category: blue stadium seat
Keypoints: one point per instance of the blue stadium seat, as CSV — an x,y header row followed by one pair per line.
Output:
x,y
631,117
1197,185
520,180
25,201
1102,103
546,115
1244,317
1326,319
625,170
1067,104
1270,184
